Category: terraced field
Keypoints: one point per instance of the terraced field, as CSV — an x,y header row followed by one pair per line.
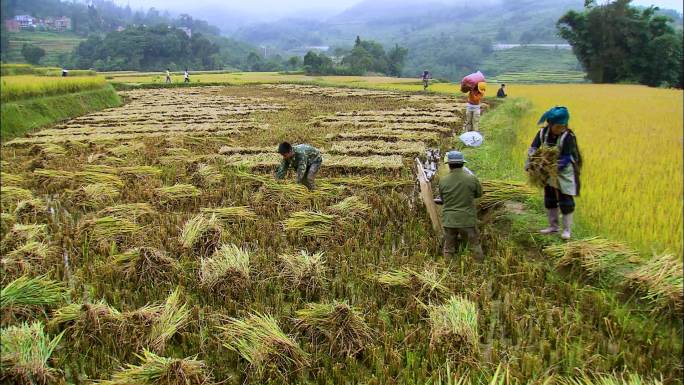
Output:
x,y
150,244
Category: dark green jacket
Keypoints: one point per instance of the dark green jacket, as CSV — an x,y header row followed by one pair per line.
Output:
x,y
304,156
459,190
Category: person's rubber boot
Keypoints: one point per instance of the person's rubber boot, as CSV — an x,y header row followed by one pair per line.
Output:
x,y
553,215
567,226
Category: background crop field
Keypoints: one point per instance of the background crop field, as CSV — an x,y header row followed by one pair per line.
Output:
x,y
631,141
29,86
54,44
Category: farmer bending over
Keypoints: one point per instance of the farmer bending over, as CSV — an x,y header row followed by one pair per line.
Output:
x,y
458,192
559,192
305,158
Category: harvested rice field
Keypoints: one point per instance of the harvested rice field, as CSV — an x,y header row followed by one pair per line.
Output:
x,y
150,244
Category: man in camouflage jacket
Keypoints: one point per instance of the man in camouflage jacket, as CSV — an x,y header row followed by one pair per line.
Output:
x,y
304,158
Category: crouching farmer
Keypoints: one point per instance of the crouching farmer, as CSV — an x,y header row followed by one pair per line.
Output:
x,y
559,191
304,158
458,191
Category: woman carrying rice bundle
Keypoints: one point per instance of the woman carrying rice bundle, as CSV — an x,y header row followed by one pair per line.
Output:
x,y
560,189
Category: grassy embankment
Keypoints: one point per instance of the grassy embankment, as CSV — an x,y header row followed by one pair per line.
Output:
x,y
30,101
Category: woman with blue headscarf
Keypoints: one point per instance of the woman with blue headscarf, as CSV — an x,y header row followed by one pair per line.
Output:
x,y
560,191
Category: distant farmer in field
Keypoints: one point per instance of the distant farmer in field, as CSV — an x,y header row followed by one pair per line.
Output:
x,y
304,158
186,76
168,76
501,93
426,79
559,192
65,72
472,118
457,192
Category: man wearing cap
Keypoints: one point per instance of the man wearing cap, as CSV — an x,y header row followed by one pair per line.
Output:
x,y
560,191
304,158
458,191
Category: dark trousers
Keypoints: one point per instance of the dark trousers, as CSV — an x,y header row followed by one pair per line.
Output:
x,y
310,177
554,198
453,237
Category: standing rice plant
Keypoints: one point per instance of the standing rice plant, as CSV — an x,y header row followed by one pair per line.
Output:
x,y
201,235
454,328
231,214
310,223
226,272
25,291
269,351
172,319
341,326
176,193
146,265
157,370
427,285
596,257
303,271
25,353
661,279
543,166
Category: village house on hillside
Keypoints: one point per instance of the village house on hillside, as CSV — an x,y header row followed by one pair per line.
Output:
x,y
30,23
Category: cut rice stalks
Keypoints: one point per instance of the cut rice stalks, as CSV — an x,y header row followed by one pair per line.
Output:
x,y
303,271
341,326
226,272
310,224
26,352
96,195
10,196
660,278
425,286
597,257
146,265
543,166
206,176
157,370
133,211
269,351
30,208
106,230
350,207
201,235
498,192
172,319
176,193
231,214
454,328
25,291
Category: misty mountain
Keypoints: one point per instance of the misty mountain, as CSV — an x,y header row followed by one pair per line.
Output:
x,y
449,37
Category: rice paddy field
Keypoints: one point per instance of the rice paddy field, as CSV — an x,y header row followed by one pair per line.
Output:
x,y
30,86
150,244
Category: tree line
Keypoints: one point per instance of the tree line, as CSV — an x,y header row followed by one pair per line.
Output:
x,y
617,42
366,56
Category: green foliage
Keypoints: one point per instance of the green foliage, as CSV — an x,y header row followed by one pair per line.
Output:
x,y
366,56
147,48
32,54
22,116
617,42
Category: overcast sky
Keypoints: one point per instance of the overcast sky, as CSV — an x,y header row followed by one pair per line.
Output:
x,y
280,8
